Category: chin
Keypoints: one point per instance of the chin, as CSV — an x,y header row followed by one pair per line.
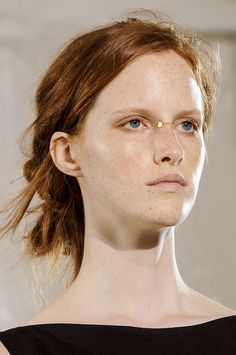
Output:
x,y
168,215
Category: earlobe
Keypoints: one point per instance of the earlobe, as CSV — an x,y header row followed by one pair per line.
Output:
x,y
61,153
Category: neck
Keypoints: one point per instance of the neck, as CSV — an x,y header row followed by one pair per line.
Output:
x,y
133,283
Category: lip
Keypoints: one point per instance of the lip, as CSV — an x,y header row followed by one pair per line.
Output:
x,y
168,186
171,178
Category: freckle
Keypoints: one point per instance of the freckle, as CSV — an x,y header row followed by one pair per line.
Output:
x,y
150,208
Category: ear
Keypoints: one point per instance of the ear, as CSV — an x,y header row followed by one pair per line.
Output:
x,y
62,155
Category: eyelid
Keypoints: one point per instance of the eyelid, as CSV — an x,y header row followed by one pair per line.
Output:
x,y
195,121
199,122
133,118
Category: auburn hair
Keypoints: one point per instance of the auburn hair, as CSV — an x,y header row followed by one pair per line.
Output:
x,y
65,95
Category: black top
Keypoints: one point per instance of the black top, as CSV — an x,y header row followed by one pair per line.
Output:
x,y
215,337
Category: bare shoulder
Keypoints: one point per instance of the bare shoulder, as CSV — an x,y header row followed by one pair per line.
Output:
x,y
44,316
49,314
210,306
3,350
198,308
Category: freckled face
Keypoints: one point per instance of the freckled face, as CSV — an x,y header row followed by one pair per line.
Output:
x,y
119,158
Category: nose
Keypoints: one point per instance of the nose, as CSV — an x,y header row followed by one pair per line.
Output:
x,y
167,144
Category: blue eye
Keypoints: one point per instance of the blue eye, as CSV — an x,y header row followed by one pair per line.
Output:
x,y
190,125
134,121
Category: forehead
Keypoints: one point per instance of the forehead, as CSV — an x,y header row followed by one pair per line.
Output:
x,y
161,63
155,78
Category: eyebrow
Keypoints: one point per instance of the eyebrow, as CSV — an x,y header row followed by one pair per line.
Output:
x,y
147,112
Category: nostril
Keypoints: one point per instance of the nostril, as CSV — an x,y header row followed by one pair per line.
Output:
x,y
165,159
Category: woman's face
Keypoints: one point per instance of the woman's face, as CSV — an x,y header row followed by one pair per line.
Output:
x,y
119,158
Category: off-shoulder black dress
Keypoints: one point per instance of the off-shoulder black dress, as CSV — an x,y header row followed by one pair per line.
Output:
x,y
215,337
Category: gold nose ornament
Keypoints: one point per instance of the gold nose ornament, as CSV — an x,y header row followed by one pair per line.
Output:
x,y
159,124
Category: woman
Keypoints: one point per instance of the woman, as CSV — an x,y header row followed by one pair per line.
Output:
x,y
119,143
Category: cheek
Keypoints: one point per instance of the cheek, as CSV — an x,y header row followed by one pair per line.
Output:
x,y
196,157
200,154
111,170
115,161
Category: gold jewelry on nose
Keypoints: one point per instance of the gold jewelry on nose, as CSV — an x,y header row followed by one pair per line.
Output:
x,y
159,124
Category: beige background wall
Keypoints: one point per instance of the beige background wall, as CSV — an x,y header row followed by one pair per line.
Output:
x,y
30,34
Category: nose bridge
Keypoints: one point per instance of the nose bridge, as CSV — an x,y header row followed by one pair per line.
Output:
x,y
165,134
167,128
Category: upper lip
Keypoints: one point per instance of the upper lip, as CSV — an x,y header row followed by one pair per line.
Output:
x,y
169,177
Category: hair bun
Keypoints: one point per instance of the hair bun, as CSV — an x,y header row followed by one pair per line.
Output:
x,y
29,169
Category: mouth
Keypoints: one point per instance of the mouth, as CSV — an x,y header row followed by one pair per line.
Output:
x,y
169,182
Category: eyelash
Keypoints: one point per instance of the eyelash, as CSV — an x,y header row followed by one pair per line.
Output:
x,y
194,124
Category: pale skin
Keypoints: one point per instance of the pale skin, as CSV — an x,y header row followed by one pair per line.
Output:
x,y
129,274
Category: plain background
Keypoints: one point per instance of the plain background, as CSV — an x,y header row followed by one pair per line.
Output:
x,y
31,33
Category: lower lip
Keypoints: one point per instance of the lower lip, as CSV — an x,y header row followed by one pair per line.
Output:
x,y
168,186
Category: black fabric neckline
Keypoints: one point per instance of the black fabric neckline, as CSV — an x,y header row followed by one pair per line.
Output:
x,y
131,328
